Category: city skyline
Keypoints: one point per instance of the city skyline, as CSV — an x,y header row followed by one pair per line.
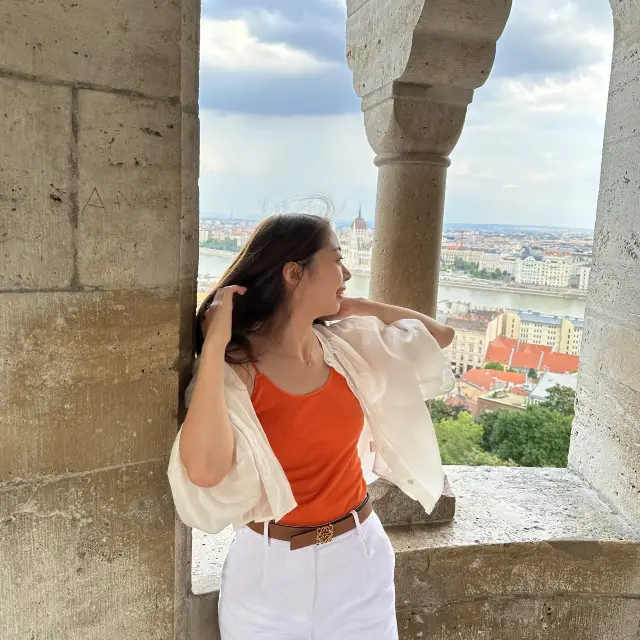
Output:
x,y
347,217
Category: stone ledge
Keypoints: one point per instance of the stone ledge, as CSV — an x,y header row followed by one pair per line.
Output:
x,y
529,540
532,553
498,505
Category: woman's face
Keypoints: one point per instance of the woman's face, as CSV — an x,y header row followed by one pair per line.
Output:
x,y
322,287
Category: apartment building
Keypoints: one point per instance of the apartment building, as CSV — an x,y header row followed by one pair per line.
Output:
x,y
562,334
474,333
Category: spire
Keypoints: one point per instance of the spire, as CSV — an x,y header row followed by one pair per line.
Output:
x,y
359,223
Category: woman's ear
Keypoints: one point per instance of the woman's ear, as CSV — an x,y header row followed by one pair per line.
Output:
x,y
292,273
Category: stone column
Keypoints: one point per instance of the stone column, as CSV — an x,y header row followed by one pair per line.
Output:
x,y
605,442
412,129
416,64
98,254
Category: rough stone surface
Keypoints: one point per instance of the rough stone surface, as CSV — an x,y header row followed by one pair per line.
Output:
x,y
182,580
130,194
443,43
87,380
438,577
395,508
190,62
616,240
36,232
131,45
499,505
605,440
189,224
605,436
188,270
551,617
611,348
202,617
532,553
622,118
88,557
207,556
98,262
613,294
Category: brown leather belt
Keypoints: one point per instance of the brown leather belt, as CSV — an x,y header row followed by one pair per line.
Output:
x,y
300,537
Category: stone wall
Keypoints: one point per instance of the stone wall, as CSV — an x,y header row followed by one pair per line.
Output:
x,y
606,432
98,255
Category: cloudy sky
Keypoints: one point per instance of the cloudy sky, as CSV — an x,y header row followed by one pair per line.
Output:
x,y
281,122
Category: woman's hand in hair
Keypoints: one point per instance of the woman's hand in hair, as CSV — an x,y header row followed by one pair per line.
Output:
x,y
216,325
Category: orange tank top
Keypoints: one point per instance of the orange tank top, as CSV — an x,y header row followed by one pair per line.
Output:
x,y
315,438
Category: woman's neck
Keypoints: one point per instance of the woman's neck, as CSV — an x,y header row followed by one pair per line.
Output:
x,y
294,338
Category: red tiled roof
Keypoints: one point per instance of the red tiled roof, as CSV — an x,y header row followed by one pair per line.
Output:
x,y
529,356
486,378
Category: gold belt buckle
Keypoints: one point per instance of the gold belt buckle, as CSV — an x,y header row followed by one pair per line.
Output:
x,y
324,534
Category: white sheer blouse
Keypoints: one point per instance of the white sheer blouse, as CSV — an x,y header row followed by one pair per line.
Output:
x,y
392,370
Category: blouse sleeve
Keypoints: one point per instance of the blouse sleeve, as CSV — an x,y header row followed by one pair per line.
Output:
x,y
211,509
407,341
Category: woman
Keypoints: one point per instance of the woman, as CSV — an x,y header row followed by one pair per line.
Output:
x,y
298,391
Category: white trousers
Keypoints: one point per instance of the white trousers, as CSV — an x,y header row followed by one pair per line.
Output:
x,y
342,590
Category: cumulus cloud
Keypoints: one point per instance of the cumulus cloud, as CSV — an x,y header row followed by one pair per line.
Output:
x,y
228,45
531,151
317,26
547,37
278,59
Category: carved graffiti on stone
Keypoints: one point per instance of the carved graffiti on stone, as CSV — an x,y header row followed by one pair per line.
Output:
x,y
121,200
94,201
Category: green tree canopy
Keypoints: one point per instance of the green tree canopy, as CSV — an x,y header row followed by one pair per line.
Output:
x,y
460,442
487,419
440,410
222,244
473,269
537,437
561,399
494,366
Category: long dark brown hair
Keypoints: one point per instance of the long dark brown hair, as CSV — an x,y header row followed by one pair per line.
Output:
x,y
278,240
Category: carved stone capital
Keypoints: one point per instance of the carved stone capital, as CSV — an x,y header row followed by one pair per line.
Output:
x,y
415,124
416,64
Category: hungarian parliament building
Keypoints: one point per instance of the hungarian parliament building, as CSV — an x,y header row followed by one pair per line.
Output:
x,y
357,243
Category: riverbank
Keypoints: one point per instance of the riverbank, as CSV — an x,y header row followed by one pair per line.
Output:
x,y
218,252
491,295
473,283
454,281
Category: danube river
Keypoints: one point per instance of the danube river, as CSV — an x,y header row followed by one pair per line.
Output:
x,y
215,265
